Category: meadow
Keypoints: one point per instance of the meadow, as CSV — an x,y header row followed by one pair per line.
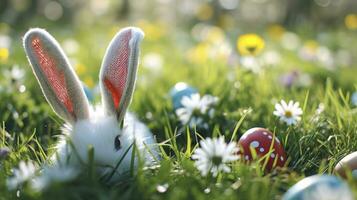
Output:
x,y
302,63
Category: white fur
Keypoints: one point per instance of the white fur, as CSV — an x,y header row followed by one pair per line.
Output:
x,y
99,132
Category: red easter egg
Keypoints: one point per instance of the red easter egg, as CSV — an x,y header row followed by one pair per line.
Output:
x,y
261,140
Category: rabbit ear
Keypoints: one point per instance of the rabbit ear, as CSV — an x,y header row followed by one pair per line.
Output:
x,y
58,81
118,71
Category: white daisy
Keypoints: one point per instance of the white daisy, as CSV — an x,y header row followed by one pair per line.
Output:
x,y
162,188
25,172
5,41
318,112
51,174
194,121
194,108
207,101
153,61
271,58
70,46
213,156
289,113
251,63
15,73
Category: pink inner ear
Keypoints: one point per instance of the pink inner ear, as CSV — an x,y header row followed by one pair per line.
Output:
x,y
115,76
116,94
55,77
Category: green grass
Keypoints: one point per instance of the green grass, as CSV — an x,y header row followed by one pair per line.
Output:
x,y
29,126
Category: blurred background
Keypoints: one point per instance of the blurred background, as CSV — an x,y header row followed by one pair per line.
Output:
x,y
178,13
298,44
296,24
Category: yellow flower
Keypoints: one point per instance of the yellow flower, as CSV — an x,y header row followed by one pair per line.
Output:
x,y
311,45
4,54
80,68
351,21
276,31
226,21
250,44
199,53
214,35
204,12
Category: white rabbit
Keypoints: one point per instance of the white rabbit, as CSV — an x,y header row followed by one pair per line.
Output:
x,y
86,126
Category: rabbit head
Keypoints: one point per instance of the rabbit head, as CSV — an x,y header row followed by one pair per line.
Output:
x,y
62,89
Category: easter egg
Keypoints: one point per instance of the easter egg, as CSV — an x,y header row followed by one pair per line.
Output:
x,y
4,152
262,141
347,163
319,187
179,91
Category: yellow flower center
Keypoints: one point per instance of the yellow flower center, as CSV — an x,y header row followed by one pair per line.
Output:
x,y
252,49
217,160
288,114
196,112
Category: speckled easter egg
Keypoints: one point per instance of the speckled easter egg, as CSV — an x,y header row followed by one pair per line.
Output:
x,y
348,163
179,91
261,140
319,187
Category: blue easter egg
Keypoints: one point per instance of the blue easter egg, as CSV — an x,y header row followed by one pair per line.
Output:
x,y
319,187
88,92
179,91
